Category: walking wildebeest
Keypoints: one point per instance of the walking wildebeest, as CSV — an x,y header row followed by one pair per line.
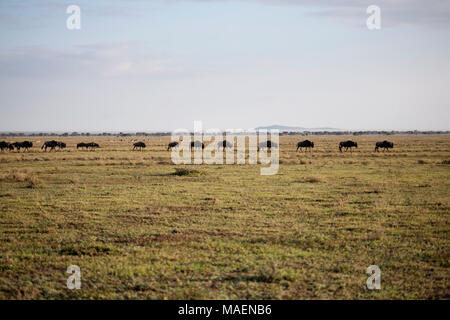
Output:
x,y
81,145
92,145
5,145
52,144
25,145
172,145
139,145
224,144
61,145
305,144
347,144
386,145
267,144
197,144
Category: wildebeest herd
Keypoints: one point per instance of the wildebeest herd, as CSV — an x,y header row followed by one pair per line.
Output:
x,y
87,146
306,144
25,145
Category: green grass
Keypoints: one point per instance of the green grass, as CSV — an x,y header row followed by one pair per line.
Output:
x,y
140,227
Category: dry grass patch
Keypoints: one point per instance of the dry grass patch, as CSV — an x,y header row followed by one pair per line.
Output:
x,y
22,176
34,182
315,179
187,172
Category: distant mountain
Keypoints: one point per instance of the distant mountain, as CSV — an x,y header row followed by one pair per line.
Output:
x,y
288,128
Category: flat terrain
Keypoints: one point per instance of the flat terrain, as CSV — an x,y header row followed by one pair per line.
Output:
x,y
136,230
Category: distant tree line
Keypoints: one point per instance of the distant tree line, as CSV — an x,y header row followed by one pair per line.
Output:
x,y
358,133
168,133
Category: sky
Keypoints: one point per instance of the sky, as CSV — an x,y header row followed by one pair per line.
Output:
x,y
152,65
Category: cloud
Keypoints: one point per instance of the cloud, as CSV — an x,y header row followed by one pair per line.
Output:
x,y
9,20
394,12
99,60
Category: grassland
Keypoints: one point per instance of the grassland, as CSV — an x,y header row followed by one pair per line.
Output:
x,y
138,231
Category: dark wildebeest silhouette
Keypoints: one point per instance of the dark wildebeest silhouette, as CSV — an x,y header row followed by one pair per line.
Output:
x,y
92,145
172,145
267,145
61,145
27,145
386,145
139,145
224,144
24,145
81,145
197,144
52,144
305,144
347,145
5,146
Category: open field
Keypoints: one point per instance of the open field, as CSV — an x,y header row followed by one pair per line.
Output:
x,y
138,231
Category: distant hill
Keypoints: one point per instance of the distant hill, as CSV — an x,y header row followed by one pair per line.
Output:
x,y
288,128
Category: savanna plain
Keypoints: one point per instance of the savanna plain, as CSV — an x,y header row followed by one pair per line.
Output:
x,y
140,227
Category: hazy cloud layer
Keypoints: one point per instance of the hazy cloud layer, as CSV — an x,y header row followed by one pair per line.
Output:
x,y
394,12
104,60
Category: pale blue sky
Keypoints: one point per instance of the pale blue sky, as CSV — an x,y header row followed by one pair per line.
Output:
x,y
159,65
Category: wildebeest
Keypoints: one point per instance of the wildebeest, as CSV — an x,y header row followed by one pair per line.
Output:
x,y
52,144
24,145
61,145
305,144
81,145
139,145
267,144
6,146
386,145
172,145
92,145
197,144
224,144
347,144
